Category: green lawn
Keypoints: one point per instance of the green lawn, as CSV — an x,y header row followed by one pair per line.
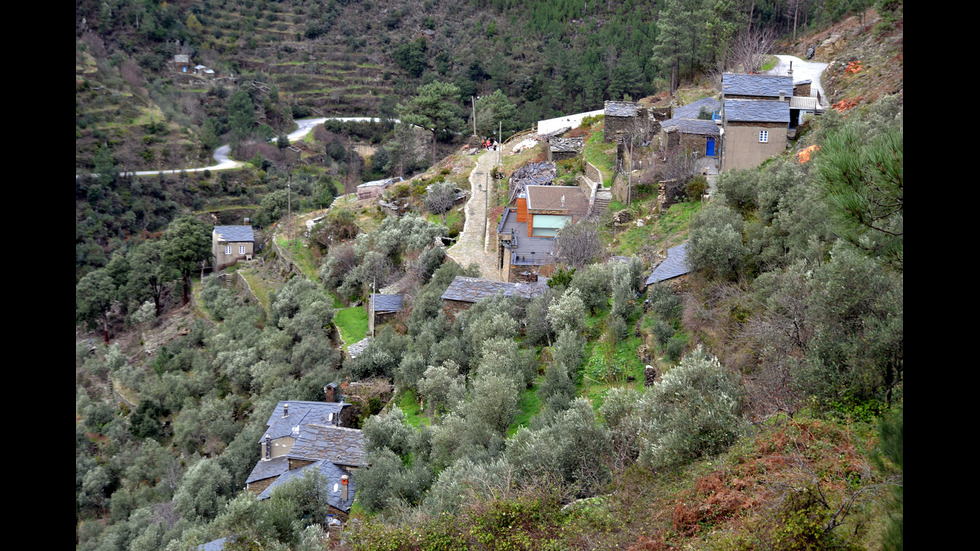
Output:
x,y
602,155
529,406
301,256
352,323
409,404
670,229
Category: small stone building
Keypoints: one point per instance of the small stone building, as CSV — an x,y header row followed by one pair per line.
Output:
x,y
464,292
367,190
675,265
624,118
182,63
380,307
698,136
302,435
560,149
229,244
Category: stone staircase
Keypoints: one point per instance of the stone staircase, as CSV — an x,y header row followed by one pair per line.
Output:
x,y
602,199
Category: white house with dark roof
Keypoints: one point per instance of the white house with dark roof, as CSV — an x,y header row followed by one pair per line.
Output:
x,y
229,244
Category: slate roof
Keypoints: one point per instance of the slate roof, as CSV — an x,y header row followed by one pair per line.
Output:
x,y
756,111
386,304
331,472
688,126
475,289
691,110
567,144
215,545
268,468
339,445
797,83
531,174
675,265
621,109
733,84
300,414
234,233
382,183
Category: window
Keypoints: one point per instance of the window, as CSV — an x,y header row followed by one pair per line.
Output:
x,y
241,249
227,249
763,136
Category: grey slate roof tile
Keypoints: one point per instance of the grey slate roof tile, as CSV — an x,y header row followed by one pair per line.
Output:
x,y
621,109
688,126
234,233
214,545
475,289
387,303
746,110
339,445
353,350
301,413
691,110
675,265
268,469
331,473
733,84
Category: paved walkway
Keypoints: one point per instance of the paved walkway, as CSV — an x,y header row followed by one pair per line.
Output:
x,y
471,246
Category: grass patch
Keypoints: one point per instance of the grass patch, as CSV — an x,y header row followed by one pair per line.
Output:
x,y
610,366
258,286
602,155
529,405
669,229
352,323
301,256
409,404
770,62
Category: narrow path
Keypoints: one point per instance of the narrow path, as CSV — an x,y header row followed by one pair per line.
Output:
x,y
471,246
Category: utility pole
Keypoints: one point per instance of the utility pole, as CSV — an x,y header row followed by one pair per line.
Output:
x,y
500,143
473,100
289,207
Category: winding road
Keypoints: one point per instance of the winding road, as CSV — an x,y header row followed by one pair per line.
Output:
x,y
222,155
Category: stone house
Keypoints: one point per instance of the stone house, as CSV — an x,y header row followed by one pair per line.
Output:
x,y
368,190
755,118
675,265
560,149
380,307
698,136
464,292
229,244
182,63
302,435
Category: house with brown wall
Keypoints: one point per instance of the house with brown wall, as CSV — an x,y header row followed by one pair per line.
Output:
x,y
755,118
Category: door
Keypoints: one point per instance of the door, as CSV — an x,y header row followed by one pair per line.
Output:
x,y
709,149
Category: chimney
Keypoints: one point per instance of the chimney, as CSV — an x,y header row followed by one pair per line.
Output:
x,y
330,392
782,95
344,480
790,72
285,410
267,448
563,201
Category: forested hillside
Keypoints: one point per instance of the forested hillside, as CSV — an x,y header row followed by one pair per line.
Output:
x,y
775,419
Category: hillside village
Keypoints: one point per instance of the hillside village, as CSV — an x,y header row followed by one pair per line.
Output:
x,y
610,330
